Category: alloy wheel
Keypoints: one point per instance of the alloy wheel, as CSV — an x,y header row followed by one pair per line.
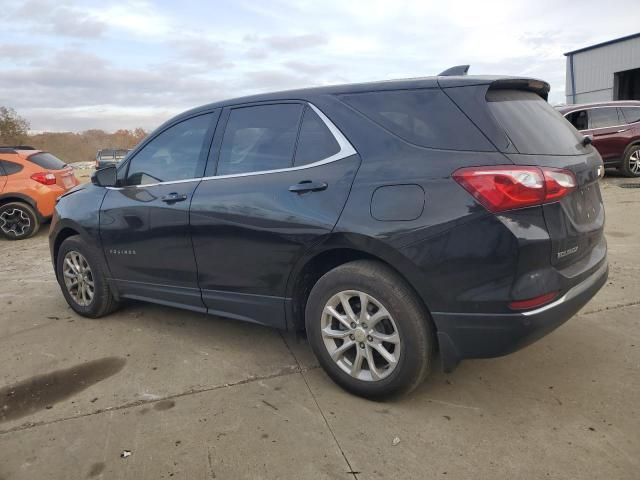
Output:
x,y
360,335
15,221
78,278
634,162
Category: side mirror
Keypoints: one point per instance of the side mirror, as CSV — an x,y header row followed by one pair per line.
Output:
x,y
105,177
587,140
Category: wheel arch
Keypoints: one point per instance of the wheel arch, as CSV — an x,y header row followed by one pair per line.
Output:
x,y
338,250
18,197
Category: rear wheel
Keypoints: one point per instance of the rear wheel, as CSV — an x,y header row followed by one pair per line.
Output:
x,y
369,330
18,221
631,162
80,273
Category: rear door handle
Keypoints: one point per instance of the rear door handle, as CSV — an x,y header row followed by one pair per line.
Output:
x,y
308,186
173,198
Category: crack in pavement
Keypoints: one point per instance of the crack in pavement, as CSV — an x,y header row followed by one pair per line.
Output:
x,y
611,307
315,400
137,403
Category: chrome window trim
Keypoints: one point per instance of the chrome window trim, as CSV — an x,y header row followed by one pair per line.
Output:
x,y
593,108
346,150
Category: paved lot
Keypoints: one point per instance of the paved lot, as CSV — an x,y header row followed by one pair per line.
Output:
x,y
199,397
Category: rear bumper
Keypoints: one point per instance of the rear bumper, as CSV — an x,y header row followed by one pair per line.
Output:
x,y
464,335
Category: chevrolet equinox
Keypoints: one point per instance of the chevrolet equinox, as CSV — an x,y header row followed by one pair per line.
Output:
x,y
392,221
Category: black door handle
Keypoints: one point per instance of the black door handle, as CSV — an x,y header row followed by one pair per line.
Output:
x,y
173,198
308,186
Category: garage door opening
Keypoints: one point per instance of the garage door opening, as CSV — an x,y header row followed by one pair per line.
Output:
x,y
626,85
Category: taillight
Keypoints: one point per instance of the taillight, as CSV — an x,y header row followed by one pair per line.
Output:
x,y
44,178
505,187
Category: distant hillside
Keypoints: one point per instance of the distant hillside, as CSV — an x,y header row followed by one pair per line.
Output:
x,y
81,147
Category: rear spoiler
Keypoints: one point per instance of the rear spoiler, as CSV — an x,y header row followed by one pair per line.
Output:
x,y
529,84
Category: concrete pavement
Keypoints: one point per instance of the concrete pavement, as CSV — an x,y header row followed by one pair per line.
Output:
x,y
200,397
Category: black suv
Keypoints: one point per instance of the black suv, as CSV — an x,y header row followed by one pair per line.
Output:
x,y
392,220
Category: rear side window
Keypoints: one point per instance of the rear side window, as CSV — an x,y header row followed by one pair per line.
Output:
x,y
315,142
425,117
259,138
9,168
603,117
533,125
175,154
47,161
578,119
631,114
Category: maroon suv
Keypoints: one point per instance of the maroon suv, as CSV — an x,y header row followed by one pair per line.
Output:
x,y
614,128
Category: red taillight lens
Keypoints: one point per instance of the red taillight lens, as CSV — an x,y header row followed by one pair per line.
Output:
x,y
503,188
44,178
533,302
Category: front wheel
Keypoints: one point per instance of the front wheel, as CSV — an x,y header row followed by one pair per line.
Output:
x,y
631,162
369,330
80,273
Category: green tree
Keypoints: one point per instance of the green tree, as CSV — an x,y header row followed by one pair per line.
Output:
x,y
13,128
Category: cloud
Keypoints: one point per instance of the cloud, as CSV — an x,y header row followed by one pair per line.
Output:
x,y
135,61
47,16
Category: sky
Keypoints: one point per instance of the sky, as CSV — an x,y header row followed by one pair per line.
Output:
x,y
110,64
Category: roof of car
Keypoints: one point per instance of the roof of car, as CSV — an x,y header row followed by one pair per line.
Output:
x,y
21,150
581,106
400,84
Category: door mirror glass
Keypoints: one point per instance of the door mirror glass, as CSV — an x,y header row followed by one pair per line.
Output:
x,y
105,177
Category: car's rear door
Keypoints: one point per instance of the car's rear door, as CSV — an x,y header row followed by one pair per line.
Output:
x,y
144,223
606,127
277,180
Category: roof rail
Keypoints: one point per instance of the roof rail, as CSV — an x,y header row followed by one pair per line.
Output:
x,y
455,71
18,147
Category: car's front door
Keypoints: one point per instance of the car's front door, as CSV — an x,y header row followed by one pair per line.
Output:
x,y
283,175
144,223
606,126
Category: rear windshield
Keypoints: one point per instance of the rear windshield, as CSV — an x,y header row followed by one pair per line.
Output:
x,y
47,161
533,125
424,117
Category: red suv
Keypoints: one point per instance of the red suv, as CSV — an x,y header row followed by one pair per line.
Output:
x,y
614,128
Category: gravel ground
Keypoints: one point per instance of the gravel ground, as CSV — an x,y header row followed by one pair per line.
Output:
x,y
152,392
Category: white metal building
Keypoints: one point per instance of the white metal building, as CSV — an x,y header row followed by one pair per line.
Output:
x,y
604,72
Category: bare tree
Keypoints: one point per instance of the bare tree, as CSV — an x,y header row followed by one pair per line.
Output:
x,y
13,128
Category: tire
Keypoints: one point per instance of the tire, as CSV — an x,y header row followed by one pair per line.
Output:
x,y
101,302
631,162
18,221
384,289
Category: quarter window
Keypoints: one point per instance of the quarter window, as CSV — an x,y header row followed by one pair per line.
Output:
x,y
259,138
9,168
425,117
603,117
631,114
316,142
175,154
578,119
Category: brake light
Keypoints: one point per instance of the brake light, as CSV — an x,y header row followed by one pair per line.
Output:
x,y
505,187
44,178
533,302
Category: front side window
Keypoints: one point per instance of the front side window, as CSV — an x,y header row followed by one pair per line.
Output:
x,y
316,142
259,138
578,119
603,117
175,154
631,114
